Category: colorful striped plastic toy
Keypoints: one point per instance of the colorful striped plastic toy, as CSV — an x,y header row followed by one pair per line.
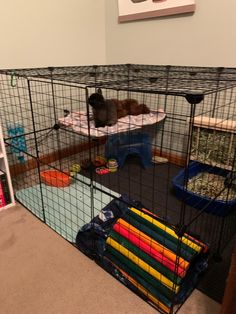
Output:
x,y
154,244
136,260
145,292
157,256
146,257
167,229
160,236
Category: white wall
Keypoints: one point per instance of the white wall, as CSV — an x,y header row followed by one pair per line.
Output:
x,y
205,38
51,32
79,32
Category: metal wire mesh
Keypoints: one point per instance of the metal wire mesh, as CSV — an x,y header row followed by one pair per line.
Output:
x,y
42,110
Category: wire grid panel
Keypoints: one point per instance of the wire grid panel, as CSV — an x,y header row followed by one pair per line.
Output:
x,y
47,99
49,94
15,102
214,130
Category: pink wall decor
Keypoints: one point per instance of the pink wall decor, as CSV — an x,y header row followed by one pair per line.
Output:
x,y
130,10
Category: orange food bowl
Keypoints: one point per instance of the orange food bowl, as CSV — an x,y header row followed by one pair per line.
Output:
x,y
55,178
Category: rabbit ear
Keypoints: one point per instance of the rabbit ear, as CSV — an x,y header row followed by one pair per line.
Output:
x,y
99,91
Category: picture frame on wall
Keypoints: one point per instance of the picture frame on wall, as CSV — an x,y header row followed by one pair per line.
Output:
x,y
130,10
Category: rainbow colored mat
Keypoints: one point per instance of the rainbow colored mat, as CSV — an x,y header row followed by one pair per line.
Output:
x,y
151,257
144,252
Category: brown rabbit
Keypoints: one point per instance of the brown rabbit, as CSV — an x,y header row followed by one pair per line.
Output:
x,y
108,111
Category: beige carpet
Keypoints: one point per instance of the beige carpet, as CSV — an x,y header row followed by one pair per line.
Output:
x,y
42,273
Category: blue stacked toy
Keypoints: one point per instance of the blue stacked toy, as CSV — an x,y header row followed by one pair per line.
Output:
x,y
18,142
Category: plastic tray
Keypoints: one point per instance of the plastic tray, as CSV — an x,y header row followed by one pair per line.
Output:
x,y
217,207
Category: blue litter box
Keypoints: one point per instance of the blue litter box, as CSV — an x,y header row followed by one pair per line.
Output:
x,y
217,207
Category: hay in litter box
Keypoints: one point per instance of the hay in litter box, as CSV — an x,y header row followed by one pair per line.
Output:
x,y
209,185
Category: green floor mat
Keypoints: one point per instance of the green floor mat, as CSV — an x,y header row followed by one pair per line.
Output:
x,y
66,209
